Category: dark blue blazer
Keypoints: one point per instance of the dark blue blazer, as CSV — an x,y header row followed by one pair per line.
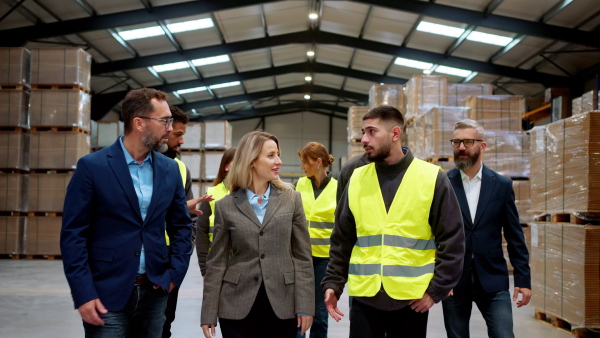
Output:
x,y
496,212
103,231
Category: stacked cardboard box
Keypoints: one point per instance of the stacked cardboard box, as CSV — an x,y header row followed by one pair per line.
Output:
x,y
522,190
47,191
11,234
193,136
355,122
105,133
193,161
589,102
60,108
538,180
387,94
15,66
14,108
210,164
439,130
577,106
459,92
424,92
217,135
42,235
497,112
61,66
14,150
508,153
13,191
58,150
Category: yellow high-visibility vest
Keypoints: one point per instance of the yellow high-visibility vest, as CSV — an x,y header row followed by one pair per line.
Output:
x,y
218,191
395,248
183,172
320,214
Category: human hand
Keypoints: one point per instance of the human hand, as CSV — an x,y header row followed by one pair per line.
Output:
x,y
89,312
526,296
451,293
304,323
205,330
331,305
423,304
191,204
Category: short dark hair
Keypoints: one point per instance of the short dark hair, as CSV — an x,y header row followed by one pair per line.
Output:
x,y
385,114
178,115
138,102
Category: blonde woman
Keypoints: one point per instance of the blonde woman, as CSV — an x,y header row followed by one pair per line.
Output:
x,y
259,280
206,221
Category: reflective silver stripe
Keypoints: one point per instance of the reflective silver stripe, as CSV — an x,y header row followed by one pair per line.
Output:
x,y
320,241
409,243
366,241
364,269
321,225
407,271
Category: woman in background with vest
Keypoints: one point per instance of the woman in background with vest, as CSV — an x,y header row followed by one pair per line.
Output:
x,y
259,279
206,221
318,190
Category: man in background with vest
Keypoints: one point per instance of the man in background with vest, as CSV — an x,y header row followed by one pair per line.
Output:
x,y
487,202
398,238
180,119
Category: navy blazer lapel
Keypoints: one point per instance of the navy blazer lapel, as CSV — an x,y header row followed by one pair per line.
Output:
x,y
241,201
459,190
159,174
488,183
274,202
116,161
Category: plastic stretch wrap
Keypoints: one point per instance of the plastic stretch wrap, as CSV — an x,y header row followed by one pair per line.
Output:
x,y
13,192
425,91
355,149
42,235
210,164
60,108
355,122
14,150
193,136
15,65
11,234
439,129
537,180
588,102
577,106
58,150
508,153
415,133
47,191
497,112
537,263
458,92
57,66
522,200
193,161
387,94
217,135
14,108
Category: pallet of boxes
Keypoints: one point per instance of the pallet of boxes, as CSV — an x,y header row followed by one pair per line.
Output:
x,y
15,82
565,238
190,153
60,135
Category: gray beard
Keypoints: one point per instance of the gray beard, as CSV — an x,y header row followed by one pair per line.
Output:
x,y
153,144
465,163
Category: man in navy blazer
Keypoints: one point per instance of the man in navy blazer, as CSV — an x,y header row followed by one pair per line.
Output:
x,y
487,203
117,206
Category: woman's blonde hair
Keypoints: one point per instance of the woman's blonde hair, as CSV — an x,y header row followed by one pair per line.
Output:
x,y
240,174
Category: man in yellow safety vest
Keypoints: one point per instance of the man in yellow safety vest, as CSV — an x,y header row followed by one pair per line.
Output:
x,y
398,238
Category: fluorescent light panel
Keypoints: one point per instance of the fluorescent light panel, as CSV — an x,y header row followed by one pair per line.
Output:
x,y
412,63
434,28
453,71
174,28
491,39
210,60
217,86
225,85
171,66
191,90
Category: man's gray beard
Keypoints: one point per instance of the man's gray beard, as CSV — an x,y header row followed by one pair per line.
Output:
x,y
464,163
154,145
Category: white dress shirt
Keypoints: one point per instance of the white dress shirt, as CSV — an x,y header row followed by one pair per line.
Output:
x,y
472,189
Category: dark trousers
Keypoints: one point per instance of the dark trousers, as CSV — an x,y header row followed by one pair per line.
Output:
x,y
369,322
143,316
320,323
170,312
261,322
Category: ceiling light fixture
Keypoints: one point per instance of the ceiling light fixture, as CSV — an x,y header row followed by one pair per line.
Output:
x,y
141,33
313,16
413,63
453,71
434,28
491,39
310,53
190,25
171,66
307,97
426,71
308,78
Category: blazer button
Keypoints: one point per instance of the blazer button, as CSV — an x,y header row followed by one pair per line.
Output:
x,y
262,256
137,253
256,279
261,233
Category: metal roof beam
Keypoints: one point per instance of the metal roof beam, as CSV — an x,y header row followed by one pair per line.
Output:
x,y
283,109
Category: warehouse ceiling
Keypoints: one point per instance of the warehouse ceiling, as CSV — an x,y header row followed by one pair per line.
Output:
x,y
237,59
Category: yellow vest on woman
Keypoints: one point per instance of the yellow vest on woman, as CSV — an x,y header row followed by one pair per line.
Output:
x,y
320,214
219,191
395,248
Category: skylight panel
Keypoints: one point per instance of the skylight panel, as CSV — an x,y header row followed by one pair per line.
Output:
x,y
413,63
453,71
191,90
434,28
141,33
190,25
210,60
171,66
225,85
491,39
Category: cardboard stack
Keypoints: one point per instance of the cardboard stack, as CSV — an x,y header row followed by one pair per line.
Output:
x,y
105,133
508,153
54,67
438,124
424,92
355,123
387,94
459,92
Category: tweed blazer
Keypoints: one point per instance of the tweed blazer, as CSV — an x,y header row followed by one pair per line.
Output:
x,y
246,253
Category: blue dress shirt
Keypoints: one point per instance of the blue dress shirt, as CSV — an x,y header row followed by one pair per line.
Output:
x,y
142,175
259,209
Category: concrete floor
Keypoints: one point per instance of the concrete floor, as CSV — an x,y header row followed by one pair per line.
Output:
x,y
35,302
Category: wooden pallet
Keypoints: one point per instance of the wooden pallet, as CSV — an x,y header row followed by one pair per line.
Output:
x,y
563,325
44,214
581,218
45,257
14,128
433,159
59,86
11,256
13,171
13,213
51,171
57,128
13,86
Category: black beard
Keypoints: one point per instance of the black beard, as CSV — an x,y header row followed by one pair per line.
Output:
x,y
170,153
465,163
381,154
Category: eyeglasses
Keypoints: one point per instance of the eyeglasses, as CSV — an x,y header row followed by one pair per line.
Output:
x,y
468,142
167,122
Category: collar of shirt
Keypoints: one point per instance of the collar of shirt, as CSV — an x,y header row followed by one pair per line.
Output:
x,y
464,176
130,159
252,196
259,209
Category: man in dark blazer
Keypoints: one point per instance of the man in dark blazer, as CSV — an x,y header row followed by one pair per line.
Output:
x,y
117,206
487,203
